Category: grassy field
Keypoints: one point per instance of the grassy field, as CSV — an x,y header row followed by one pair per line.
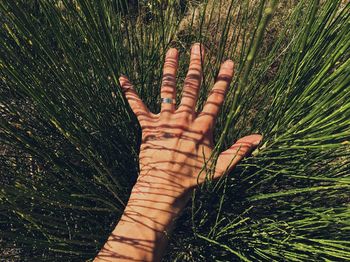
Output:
x,y
69,142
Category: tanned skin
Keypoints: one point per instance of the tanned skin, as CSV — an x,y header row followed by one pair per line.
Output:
x,y
175,144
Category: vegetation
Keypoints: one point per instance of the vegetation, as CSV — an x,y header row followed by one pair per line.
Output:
x,y
69,141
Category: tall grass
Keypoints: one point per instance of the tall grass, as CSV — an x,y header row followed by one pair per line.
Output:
x,y
69,141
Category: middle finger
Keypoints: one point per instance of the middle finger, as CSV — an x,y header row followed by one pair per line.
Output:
x,y
193,80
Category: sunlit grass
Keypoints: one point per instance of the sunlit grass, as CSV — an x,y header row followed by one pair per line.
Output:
x,y
69,141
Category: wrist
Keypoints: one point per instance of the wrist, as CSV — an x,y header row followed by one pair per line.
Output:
x,y
164,187
156,202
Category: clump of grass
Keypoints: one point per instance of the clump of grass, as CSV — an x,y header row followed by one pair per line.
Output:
x,y
69,141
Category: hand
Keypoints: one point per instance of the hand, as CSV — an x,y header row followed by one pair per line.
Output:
x,y
176,144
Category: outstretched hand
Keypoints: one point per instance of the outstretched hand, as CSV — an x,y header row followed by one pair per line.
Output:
x,y
178,141
176,144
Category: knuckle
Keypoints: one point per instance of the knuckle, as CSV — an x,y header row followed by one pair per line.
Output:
x,y
217,97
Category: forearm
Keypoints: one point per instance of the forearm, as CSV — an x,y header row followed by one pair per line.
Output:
x,y
142,232
137,237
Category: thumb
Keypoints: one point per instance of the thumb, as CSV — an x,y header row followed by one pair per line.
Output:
x,y
228,159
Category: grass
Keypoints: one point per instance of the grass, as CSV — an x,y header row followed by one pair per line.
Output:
x,y
69,142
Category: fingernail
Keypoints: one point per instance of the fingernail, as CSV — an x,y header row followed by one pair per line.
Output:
x,y
229,63
196,47
257,142
172,51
